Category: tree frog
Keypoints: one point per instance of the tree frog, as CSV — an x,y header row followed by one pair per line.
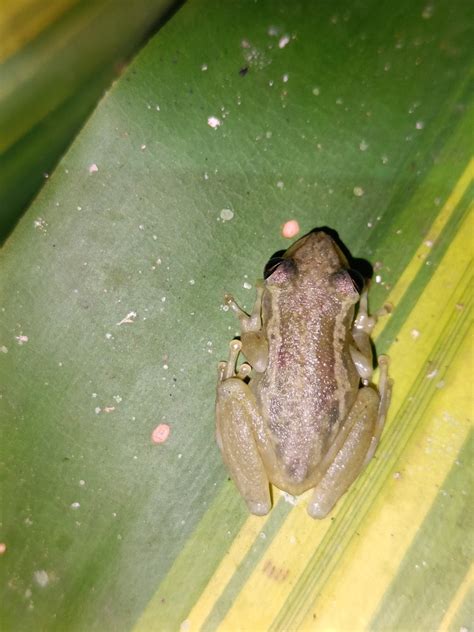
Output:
x,y
301,412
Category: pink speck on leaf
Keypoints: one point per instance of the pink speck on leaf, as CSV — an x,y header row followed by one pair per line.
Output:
x,y
290,229
161,433
93,168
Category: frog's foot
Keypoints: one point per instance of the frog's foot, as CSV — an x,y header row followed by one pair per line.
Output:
x,y
225,370
252,322
364,321
238,422
363,427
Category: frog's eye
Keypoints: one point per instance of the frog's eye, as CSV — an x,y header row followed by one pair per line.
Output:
x,y
280,270
357,280
347,282
272,265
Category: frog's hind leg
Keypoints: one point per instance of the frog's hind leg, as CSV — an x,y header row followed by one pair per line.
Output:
x,y
385,392
237,429
365,422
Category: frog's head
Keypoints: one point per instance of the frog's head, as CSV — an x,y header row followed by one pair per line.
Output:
x,y
317,260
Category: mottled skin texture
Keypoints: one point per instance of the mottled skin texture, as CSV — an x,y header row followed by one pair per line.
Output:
x,y
303,420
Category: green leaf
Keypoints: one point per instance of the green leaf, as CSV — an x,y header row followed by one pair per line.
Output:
x,y
359,120
55,63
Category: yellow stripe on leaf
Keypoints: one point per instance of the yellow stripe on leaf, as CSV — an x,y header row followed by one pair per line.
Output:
x,y
435,231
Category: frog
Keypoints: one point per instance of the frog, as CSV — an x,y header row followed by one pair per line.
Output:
x,y
296,407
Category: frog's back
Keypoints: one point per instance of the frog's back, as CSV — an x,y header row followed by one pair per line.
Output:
x,y
310,382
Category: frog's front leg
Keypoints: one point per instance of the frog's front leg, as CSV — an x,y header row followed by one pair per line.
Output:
x,y
254,343
361,351
363,428
239,428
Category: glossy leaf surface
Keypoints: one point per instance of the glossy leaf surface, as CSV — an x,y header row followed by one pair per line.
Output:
x,y
235,118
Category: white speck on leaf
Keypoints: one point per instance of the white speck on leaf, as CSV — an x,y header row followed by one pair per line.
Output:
x,y
21,339
41,578
363,145
226,214
40,224
427,12
358,191
289,498
129,318
75,505
284,40
213,122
